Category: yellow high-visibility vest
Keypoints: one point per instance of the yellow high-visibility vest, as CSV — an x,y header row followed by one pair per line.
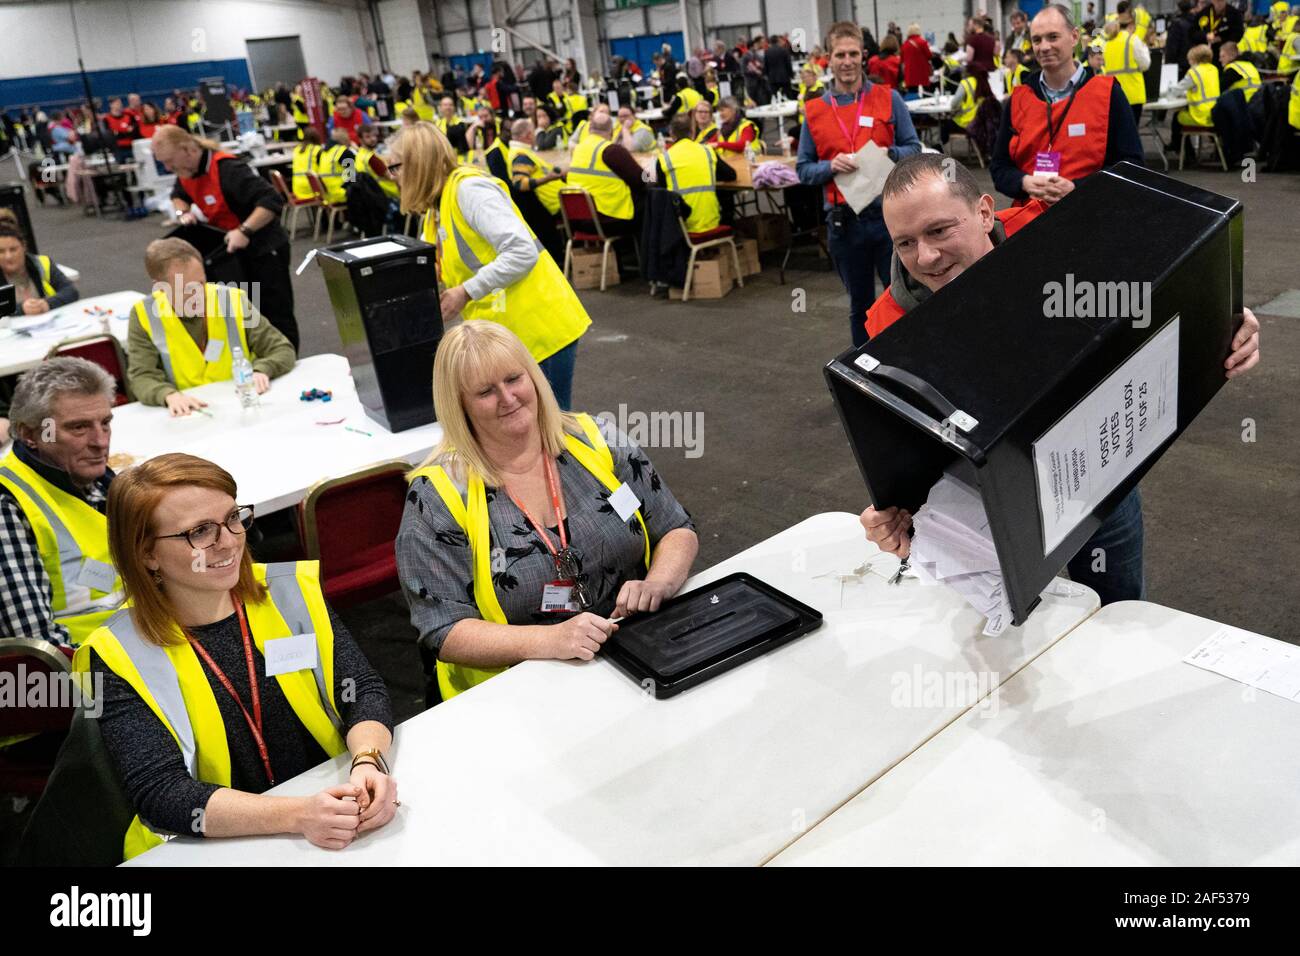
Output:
x,y
173,682
1255,39
470,511
72,538
541,308
547,194
612,196
385,183
1288,60
227,310
1250,78
687,99
1202,96
693,173
969,105
304,162
1118,61
734,135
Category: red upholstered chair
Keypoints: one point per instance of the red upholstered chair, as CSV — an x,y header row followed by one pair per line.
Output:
x,y
106,352
25,768
350,524
582,224
699,241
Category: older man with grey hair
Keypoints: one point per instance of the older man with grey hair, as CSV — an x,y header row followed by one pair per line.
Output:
x,y
57,580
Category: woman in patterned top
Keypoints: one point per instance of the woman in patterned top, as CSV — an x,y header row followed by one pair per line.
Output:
x,y
529,531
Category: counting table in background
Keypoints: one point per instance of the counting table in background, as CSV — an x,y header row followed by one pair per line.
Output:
x,y
1153,115
572,763
277,451
1108,750
19,351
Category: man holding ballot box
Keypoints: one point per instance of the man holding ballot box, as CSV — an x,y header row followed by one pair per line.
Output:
x,y
1062,123
852,113
941,224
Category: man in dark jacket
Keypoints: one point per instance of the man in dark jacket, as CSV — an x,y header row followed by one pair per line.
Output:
x,y
1183,34
778,68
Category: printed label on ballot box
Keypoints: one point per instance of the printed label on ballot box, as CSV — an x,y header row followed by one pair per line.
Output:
x,y
1111,431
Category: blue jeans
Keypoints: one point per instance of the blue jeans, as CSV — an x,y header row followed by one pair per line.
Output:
x,y
859,247
1116,551
558,369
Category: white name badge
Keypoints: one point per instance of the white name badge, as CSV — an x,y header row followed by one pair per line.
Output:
x,y
558,598
1076,129
214,350
287,654
96,575
624,502
210,200
867,121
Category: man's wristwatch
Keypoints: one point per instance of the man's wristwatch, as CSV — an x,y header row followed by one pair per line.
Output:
x,y
371,756
245,230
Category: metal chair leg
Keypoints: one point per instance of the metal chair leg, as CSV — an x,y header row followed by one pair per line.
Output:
x,y
690,274
735,260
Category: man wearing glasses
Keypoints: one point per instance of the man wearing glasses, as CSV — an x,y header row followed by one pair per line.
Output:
x,y
57,581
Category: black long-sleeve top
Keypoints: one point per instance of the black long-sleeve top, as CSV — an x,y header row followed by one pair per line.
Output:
x,y
245,191
1122,142
150,762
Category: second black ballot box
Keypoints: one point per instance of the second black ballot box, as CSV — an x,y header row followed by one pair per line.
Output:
x,y
385,297
1056,370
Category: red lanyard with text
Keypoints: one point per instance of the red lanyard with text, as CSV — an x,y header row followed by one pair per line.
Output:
x,y
557,500
254,721
850,136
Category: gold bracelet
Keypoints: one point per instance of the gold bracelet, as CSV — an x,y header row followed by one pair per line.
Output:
x,y
378,758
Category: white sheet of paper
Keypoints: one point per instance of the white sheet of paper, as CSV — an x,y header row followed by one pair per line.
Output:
x,y
96,575
624,501
1094,446
287,654
866,182
375,249
1271,665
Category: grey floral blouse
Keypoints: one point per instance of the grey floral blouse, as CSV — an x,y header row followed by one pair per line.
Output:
x,y
433,554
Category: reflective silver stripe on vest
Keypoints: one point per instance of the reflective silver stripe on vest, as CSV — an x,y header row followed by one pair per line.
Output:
x,y
70,555
225,303
1128,58
159,337
287,596
467,254
592,170
160,677
672,174
1200,88
1251,82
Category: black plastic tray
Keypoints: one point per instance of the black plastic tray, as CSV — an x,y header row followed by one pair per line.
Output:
x,y
704,632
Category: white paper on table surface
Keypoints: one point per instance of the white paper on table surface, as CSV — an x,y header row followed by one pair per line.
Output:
x,y
1112,430
866,182
30,323
1266,663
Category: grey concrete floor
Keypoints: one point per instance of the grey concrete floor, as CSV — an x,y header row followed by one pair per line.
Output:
x,y
1222,515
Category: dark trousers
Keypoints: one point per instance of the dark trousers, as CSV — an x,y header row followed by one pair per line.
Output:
x,y
1111,562
861,250
269,268
1137,114
558,369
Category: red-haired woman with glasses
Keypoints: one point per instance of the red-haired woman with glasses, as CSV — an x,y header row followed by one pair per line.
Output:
x,y
222,677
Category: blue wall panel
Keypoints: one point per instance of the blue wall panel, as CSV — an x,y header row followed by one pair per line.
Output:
x,y
151,82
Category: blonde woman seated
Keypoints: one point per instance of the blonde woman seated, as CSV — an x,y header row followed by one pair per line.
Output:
x,y
528,529
208,697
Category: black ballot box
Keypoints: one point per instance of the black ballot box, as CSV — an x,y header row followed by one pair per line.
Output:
x,y
385,297
1054,372
14,198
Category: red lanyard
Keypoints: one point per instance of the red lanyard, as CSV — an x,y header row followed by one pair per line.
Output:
x,y
557,500
835,109
254,721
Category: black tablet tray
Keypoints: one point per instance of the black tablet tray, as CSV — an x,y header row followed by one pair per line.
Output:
x,y
704,632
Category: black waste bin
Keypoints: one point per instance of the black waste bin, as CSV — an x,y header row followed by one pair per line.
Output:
x,y
1053,373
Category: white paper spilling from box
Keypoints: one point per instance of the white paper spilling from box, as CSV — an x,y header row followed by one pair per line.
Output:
x,y
1270,665
952,545
866,182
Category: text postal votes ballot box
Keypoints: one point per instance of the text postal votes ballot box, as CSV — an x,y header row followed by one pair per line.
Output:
x,y
1053,373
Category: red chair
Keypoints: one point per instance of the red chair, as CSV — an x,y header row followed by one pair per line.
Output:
x,y
349,524
582,224
698,242
26,763
106,352
291,202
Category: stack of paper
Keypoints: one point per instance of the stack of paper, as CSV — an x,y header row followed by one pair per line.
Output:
x,y
952,545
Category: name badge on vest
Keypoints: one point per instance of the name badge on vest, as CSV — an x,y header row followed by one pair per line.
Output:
x,y
214,350
557,598
1076,129
624,502
96,575
209,200
287,654
1047,163
867,121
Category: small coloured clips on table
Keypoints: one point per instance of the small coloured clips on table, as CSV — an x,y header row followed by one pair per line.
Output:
x,y
315,394
98,312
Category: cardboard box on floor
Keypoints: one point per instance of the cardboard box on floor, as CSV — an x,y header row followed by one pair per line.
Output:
x,y
771,230
714,275
585,269
748,250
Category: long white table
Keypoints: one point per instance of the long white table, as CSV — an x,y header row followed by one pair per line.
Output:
x,y
571,763
276,451
19,352
1107,750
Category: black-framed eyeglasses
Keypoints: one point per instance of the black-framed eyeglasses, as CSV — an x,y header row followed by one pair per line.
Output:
x,y
568,565
204,536
392,166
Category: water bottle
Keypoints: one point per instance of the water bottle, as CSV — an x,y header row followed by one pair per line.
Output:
x,y
242,371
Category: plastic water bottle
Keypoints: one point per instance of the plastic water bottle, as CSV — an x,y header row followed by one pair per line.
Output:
x,y
242,370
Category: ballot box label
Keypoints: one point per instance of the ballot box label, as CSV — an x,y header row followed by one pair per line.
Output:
x,y
1109,433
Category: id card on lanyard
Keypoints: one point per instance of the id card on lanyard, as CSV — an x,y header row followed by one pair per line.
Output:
x,y
1049,160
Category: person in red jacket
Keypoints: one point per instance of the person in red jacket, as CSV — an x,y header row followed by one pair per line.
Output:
x,y
348,118
916,59
940,223
123,128
884,67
